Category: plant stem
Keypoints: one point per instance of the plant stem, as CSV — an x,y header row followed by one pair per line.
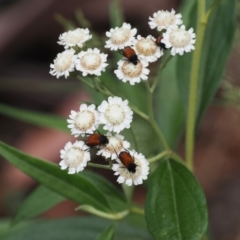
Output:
x,y
191,116
159,156
157,78
159,133
85,81
167,153
99,166
134,139
108,92
96,212
151,118
137,210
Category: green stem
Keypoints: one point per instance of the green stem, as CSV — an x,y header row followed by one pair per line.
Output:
x,y
85,81
159,156
176,157
99,165
149,100
159,133
134,139
190,129
138,111
128,192
151,119
106,91
157,78
94,211
137,210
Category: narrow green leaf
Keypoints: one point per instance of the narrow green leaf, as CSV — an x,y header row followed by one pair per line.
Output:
x,y
84,228
222,20
39,119
115,14
75,187
217,44
39,201
107,234
175,206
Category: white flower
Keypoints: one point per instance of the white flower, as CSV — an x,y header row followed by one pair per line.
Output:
x,y
74,157
63,64
114,147
179,40
83,121
115,114
135,172
91,62
164,20
74,38
147,48
120,38
133,73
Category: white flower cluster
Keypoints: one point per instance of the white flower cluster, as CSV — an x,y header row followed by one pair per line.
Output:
x,y
173,36
90,62
140,51
115,115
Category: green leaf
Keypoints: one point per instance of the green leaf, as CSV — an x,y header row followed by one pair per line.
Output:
x,y
169,114
86,228
4,227
115,14
114,197
146,138
216,47
175,206
75,187
39,201
107,234
39,119
219,35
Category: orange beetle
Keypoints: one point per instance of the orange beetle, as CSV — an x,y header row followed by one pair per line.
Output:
x,y
96,139
159,43
131,55
128,161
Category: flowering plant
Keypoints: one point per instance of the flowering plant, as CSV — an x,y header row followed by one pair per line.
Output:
x,y
134,122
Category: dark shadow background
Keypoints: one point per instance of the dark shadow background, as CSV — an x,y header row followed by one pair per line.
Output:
x,y
28,36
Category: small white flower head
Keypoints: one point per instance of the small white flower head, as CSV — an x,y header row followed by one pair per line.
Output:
x,y
180,40
74,157
147,48
63,64
128,72
74,38
114,147
91,62
84,121
134,173
115,114
164,20
120,37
